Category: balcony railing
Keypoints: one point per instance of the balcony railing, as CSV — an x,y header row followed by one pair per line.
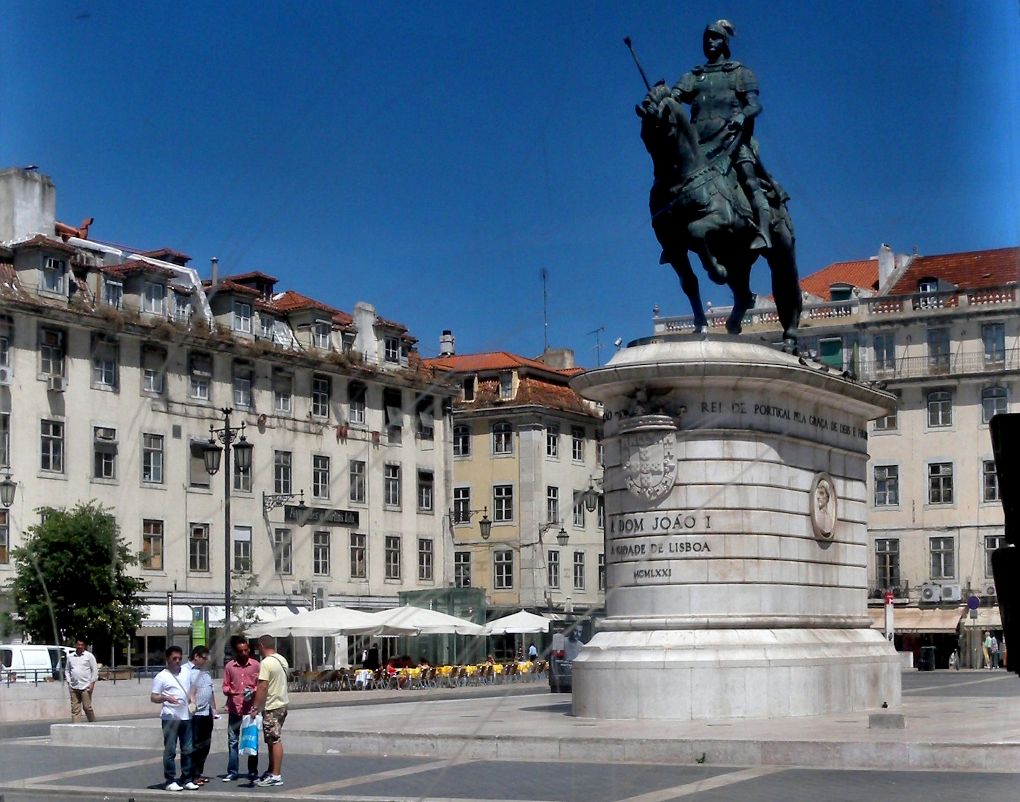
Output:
x,y
922,367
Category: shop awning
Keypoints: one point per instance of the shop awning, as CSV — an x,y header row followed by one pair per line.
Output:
x,y
987,618
154,615
917,621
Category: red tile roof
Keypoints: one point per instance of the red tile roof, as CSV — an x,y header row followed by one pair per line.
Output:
x,y
230,286
136,266
968,270
252,275
489,362
169,255
42,241
862,273
291,301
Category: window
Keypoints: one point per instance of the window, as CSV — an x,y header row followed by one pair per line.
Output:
x,y
578,570
993,402
393,412
282,473
602,572
52,446
104,452
320,553
391,349
320,335
890,422
579,508
152,458
242,479
830,352
242,549
5,439
577,443
154,298
989,481
600,512
266,325
940,408
242,317
940,483
462,505
200,373
152,545
198,476
461,441
469,388
424,559
938,350
5,341
887,563
391,485
356,393
885,352
552,568
462,569
51,352
5,536
359,563
992,542
943,557
502,438
426,421
993,336
552,442
243,382
52,277
503,570
502,503
552,504
356,472
425,491
887,485
104,363
506,386
600,454
198,548
320,476
392,556
283,551
321,391
113,293
182,306
927,289
283,392
153,369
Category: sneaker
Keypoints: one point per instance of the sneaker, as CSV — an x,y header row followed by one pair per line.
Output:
x,y
174,786
230,777
270,779
190,786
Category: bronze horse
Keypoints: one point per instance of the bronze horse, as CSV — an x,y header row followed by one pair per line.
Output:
x,y
697,205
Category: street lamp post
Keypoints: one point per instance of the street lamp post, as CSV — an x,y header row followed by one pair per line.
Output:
x,y
211,453
7,488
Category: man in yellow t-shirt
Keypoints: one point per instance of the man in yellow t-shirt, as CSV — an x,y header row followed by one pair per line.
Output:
x,y
271,701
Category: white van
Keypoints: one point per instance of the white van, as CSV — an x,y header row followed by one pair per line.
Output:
x,y
29,662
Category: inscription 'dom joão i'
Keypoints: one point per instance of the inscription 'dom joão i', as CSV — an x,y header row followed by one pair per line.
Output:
x,y
654,524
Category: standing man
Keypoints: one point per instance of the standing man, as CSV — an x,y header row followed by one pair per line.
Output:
x,y
271,701
171,688
532,652
82,673
205,710
240,678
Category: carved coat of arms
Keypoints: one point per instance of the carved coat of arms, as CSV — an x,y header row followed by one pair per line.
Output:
x,y
648,457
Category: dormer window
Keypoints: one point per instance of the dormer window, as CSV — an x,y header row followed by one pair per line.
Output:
x,y
469,388
113,293
182,307
320,335
506,386
242,317
840,292
391,346
52,278
266,324
154,298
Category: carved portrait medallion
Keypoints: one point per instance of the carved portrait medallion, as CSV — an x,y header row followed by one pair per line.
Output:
x,y
822,499
648,456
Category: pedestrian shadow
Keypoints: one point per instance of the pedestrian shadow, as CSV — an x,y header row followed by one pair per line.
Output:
x,y
563,708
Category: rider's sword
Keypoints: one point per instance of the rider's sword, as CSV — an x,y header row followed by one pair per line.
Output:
x,y
633,55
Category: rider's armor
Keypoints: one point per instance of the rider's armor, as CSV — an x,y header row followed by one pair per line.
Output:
x,y
716,94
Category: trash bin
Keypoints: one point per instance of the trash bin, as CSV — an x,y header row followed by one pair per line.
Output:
x,y
927,660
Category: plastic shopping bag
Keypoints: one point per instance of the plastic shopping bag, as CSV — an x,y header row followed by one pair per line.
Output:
x,y
249,744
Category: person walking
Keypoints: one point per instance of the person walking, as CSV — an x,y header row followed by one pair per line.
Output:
x,y
271,701
171,688
532,652
82,673
240,678
994,649
987,649
205,712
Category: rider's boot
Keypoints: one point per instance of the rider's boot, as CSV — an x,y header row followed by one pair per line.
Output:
x,y
762,241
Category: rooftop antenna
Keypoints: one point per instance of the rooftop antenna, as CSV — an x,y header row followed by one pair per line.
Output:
x,y
545,309
598,344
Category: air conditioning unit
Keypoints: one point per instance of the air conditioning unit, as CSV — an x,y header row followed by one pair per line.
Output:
x,y
57,384
951,593
990,590
931,593
6,376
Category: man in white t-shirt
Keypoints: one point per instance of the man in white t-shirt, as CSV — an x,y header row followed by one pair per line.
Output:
x,y
171,688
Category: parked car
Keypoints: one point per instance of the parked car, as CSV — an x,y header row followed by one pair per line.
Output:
x,y
30,662
567,639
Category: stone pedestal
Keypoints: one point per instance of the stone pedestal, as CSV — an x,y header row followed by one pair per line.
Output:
x,y
736,539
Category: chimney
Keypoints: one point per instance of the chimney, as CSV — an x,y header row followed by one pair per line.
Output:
x,y
447,343
886,264
214,271
28,204
559,358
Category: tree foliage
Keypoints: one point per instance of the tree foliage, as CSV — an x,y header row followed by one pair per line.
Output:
x,y
71,579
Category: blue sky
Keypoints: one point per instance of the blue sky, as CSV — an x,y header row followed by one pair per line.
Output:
x,y
433,158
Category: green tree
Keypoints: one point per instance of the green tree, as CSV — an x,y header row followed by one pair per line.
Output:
x,y
71,579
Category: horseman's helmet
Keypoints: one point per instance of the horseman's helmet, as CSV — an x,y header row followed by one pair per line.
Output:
x,y
723,28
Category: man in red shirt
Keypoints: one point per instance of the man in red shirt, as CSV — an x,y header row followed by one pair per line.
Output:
x,y
240,676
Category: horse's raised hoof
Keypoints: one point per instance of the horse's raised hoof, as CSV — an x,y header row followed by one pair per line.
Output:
x,y
790,346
